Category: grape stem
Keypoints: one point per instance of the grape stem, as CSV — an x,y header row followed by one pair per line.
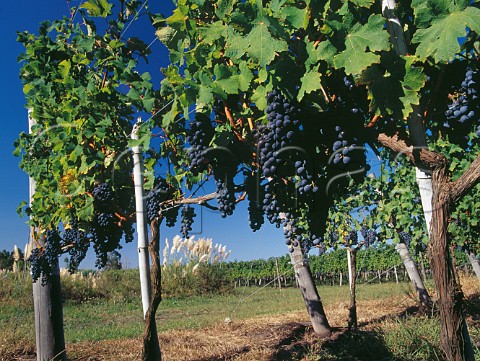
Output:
x,y
228,114
373,121
325,95
121,217
170,141
242,197
249,119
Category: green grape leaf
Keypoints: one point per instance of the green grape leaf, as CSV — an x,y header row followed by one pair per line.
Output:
x,y
226,78
211,33
259,96
440,40
147,102
99,8
361,45
245,77
87,211
21,207
224,8
363,3
64,68
325,51
259,44
310,82
204,99
412,83
295,16
394,88
166,34
222,137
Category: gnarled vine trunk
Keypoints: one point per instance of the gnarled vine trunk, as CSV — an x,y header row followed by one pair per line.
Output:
x,y
151,348
454,333
455,339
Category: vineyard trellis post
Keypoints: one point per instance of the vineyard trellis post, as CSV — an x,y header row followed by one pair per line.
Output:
x,y
151,349
278,274
475,262
352,278
414,275
47,300
417,136
142,230
309,291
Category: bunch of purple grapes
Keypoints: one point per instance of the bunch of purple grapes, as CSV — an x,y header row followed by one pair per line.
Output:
x,y
199,137
333,238
255,197
155,196
351,238
283,125
103,196
342,147
292,232
282,131
223,175
463,108
73,235
464,104
188,214
405,237
106,229
38,266
44,260
369,236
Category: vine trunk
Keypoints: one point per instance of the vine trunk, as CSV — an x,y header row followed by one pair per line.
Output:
x,y
151,349
454,333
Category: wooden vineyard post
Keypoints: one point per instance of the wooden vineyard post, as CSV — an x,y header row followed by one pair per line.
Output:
x,y
475,262
412,271
47,300
418,139
278,274
352,280
309,291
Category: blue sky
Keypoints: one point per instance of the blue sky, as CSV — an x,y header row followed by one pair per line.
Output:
x,y
23,15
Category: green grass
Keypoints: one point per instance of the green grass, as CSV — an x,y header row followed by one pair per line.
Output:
x,y
117,317
113,319
109,320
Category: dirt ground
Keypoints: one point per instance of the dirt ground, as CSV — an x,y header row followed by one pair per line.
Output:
x,y
282,337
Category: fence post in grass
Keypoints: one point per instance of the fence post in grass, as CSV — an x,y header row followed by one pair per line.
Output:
x,y
417,136
278,274
352,278
142,231
47,300
412,272
309,291
475,262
